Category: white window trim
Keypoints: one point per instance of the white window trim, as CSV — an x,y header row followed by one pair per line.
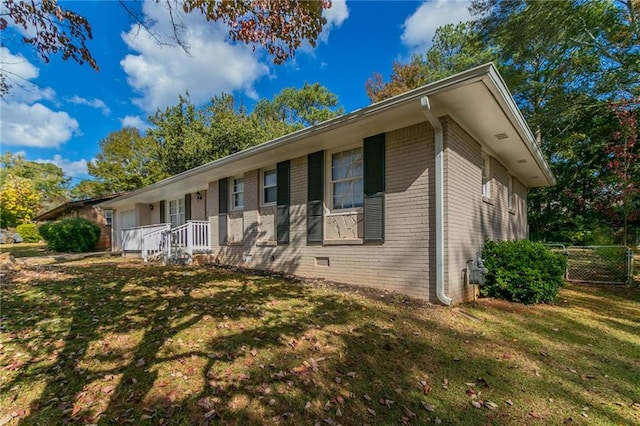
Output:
x,y
232,206
511,197
263,187
108,217
181,214
486,186
328,187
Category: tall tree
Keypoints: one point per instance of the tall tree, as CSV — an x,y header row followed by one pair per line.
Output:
x,y
299,108
455,48
19,201
127,161
280,26
577,57
47,178
190,135
621,178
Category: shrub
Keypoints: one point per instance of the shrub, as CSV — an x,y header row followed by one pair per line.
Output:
x,y
522,271
44,230
28,232
71,235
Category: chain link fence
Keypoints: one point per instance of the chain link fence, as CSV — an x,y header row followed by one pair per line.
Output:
x,y
597,264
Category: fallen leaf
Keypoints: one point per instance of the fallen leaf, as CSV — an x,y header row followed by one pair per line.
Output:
x,y
410,414
491,405
367,397
430,408
371,411
426,388
536,415
509,402
351,374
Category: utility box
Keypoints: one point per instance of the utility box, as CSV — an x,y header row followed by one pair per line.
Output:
x,y
476,271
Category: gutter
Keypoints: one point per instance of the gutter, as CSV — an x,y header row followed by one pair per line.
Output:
x,y
439,195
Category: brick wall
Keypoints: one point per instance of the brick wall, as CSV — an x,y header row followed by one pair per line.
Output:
x,y
402,263
469,218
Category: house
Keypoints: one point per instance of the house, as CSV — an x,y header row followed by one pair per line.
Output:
x,y
399,195
86,209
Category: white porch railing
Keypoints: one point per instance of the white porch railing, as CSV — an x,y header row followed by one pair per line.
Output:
x,y
160,241
154,243
132,238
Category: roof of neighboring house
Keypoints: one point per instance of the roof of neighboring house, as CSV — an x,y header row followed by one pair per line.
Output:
x,y
477,99
55,212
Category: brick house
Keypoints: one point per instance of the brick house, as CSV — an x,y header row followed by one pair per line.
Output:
x,y
398,195
85,209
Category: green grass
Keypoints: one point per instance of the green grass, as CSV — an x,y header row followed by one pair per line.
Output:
x,y
25,249
110,342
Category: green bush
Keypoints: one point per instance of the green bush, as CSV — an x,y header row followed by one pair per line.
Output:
x,y
28,232
70,235
522,271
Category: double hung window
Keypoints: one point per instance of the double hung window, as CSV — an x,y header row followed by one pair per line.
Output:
x,y
237,194
347,187
176,212
269,187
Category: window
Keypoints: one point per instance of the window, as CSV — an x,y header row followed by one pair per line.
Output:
x,y
486,177
347,187
108,217
269,187
237,194
176,212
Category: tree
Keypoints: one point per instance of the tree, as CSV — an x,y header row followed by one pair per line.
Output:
x,y
51,29
47,178
299,108
577,58
88,189
19,201
621,178
127,161
280,26
190,135
455,48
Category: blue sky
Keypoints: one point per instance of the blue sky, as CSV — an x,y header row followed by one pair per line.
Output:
x,y
60,111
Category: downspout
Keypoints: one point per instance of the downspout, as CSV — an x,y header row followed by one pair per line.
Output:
x,y
439,196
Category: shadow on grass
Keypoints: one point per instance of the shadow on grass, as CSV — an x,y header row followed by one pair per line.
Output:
x,y
131,343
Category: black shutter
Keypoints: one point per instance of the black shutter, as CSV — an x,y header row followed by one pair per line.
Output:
x,y
187,207
163,216
374,187
282,213
223,197
315,207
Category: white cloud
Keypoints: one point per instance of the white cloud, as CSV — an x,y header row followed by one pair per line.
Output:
x,y
93,103
335,15
160,73
420,27
71,168
18,71
35,125
134,121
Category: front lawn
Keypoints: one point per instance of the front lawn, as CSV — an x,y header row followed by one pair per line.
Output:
x,y
26,249
120,342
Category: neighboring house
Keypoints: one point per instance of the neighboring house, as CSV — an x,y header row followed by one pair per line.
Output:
x,y
399,195
85,209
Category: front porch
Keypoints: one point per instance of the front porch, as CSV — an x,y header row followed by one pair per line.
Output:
x,y
160,242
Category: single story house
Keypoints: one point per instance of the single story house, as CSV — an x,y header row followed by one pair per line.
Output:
x,y
86,209
398,195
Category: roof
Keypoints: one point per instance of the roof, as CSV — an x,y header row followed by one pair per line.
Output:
x,y
477,99
55,212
